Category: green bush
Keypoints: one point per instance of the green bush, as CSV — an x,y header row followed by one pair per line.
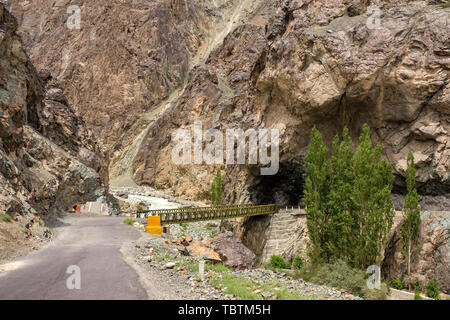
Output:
x,y
376,294
397,284
139,208
5,217
129,221
341,276
445,5
417,295
297,263
417,285
279,262
432,289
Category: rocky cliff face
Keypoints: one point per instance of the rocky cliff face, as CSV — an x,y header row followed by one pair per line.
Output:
x,y
430,258
299,63
40,139
128,60
138,70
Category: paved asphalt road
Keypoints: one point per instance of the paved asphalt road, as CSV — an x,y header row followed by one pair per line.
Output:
x,y
93,244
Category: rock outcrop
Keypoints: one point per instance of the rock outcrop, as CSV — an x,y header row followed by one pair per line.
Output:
x,y
431,257
233,252
128,60
309,62
137,71
40,139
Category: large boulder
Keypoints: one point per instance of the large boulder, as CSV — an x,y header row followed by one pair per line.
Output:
x,y
233,252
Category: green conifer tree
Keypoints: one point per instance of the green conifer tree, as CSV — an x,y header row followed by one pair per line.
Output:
x,y
411,212
372,186
347,195
216,189
316,189
341,204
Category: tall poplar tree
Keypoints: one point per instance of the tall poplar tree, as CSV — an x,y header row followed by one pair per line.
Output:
x,y
347,195
341,203
216,189
372,186
411,212
316,190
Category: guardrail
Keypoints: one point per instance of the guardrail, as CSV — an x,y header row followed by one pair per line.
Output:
x,y
208,213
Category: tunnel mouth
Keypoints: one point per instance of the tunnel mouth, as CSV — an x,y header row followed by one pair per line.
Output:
x,y
285,188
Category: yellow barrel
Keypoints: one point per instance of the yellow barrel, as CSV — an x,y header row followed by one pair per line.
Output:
x,y
154,225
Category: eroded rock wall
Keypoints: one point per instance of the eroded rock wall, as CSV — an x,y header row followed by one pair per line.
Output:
x,y
430,258
138,70
40,139
127,60
294,64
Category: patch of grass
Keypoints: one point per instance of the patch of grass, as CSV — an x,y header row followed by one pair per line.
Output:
x,y
162,257
213,233
184,227
285,294
376,294
237,286
245,289
129,221
4,217
157,186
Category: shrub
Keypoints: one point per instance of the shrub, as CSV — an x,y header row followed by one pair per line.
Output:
x,y
341,276
376,294
432,289
445,5
417,295
397,284
139,208
4,217
297,263
279,262
129,221
416,285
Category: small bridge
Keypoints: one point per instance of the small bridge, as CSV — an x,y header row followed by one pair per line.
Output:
x,y
182,215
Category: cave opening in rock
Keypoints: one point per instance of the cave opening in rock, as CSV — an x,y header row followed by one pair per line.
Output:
x,y
284,188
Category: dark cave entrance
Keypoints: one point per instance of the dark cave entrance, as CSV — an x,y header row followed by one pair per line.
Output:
x,y
284,188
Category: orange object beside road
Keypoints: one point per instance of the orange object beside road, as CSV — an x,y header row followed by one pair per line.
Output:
x,y
78,208
154,225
